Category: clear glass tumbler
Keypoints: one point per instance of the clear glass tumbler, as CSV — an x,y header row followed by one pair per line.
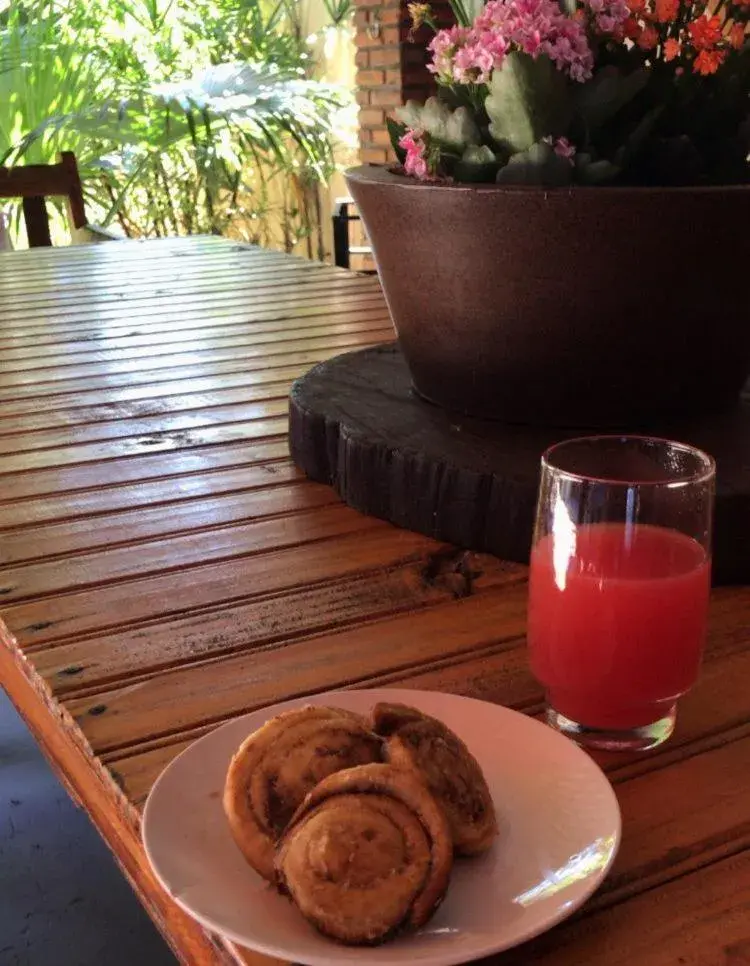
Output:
x,y
619,585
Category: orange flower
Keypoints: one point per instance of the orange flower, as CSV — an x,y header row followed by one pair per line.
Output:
x,y
648,39
639,6
737,35
672,49
667,10
705,32
709,61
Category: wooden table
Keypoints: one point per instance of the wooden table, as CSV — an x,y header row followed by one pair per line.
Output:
x,y
166,568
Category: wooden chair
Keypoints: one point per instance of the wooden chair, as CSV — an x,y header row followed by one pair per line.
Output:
x,y
35,182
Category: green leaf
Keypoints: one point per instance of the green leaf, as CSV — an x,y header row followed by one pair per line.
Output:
x,y
592,172
395,132
455,128
606,93
478,154
638,138
539,165
338,10
460,12
477,165
528,100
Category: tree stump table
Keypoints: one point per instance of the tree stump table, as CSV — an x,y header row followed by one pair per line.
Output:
x,y
356,424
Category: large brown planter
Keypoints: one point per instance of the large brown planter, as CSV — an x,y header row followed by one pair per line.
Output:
x,y
570,307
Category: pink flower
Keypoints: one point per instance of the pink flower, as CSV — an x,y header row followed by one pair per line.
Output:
x,y
468,55
473,61
415,162
540,27
444,46
609,15
564,149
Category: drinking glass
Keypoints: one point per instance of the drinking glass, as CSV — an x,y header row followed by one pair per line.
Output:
x,y
619,585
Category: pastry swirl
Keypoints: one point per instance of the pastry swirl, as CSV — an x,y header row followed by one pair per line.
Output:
x,y
368,853
276,766
419,742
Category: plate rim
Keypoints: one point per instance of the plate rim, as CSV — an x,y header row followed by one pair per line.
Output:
x,y
403,694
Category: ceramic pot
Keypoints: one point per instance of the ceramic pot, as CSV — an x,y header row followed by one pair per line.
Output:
x,y
586,307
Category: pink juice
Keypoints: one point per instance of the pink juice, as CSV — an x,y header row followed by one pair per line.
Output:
x,y
617,621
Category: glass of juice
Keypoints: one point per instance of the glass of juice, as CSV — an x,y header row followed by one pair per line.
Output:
x,y
619,585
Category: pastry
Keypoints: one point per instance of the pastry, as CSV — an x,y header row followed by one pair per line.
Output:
x,y
276,767
368,853
416,741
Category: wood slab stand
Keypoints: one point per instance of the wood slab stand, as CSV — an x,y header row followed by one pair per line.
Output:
x,y
356,424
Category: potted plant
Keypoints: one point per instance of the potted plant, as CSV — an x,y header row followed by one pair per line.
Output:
x,y
563,240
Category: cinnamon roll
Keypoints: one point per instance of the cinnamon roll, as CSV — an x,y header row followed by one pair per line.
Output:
x,y
276,767
367,854
419,742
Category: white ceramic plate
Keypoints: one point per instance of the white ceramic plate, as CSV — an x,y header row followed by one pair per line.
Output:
x,y
559,832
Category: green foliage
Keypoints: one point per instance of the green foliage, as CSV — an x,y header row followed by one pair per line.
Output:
x,y
44,71
587,170
452,128
477,164
537,165
462,11
339,11
186,115
528,100
396,131
608,91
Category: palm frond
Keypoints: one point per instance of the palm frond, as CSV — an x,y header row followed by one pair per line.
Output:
x,y
161,144
262,103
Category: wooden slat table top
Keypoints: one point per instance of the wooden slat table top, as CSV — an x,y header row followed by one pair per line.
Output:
x,y
165,567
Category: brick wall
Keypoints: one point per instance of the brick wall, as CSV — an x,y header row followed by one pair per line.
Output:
x,y
390,69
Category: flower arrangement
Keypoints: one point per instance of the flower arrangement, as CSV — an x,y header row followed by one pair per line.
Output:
x,y
636,92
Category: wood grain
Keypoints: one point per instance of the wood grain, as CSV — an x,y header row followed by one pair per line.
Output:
x,y
140,601
695,920
66,308
135,526
82,502
74,453
259,370
193,549
215,690
164,567
269,620
185,326
184,365
173,395
714,714
173,464
138,426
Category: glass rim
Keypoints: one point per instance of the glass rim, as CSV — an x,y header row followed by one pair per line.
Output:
x,y
703,473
